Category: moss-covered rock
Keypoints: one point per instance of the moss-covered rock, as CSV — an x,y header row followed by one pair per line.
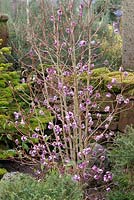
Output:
x,y
103,76
5,154
2,172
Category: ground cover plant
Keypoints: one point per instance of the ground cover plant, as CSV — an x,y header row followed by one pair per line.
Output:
x,y
55,186
122,161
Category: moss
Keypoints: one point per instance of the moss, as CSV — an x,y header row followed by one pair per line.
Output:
x,y
2,172
21,87
130,92
102,76
5,154
120,77
6,50
100,71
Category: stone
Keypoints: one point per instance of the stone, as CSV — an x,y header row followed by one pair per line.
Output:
x,y
10,175
99,151
126,117
4,35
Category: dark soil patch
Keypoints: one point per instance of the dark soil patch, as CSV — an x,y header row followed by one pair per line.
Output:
x,y
12,165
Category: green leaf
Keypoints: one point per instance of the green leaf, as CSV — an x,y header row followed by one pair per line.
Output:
x,y
25,146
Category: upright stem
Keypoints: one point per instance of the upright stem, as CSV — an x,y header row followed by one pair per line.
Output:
x,y
89,18
28,19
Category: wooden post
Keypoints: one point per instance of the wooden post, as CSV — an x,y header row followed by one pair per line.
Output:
x,y
128,34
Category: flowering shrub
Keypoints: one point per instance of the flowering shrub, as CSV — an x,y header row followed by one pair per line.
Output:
x,y
62,79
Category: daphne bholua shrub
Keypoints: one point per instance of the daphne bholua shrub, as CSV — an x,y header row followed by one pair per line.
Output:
x,y
64,83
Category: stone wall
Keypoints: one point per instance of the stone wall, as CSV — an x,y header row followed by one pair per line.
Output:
x,y
4,30
125,116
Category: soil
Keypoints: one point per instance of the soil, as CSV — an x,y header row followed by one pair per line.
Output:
x,y
12,165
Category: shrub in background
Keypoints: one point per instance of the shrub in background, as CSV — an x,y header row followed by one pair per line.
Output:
x,y
14,102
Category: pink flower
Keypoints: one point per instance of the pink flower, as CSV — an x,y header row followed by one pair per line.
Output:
x,y
50,125
35,135
59,12
126,101
68,30
16,141
83,165
88,101
121,69
108,177
23,138
119,98
86,151
96,177
76,177
106,126
52,18
125,74
114,81
94,168
108,95
107,109
98,115
22,122
82,43
57,129
109,86
108,189
98,137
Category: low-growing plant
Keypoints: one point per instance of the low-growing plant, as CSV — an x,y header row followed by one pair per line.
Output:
x,y
123,166
55,187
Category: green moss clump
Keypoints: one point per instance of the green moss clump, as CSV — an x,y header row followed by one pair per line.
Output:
x,y
103,76
5,154
100,71
2,172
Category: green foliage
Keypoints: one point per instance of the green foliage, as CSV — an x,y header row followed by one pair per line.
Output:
x,y
112,47
15,97
122,157
119,195
2,172
55,187
60,187
5,154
